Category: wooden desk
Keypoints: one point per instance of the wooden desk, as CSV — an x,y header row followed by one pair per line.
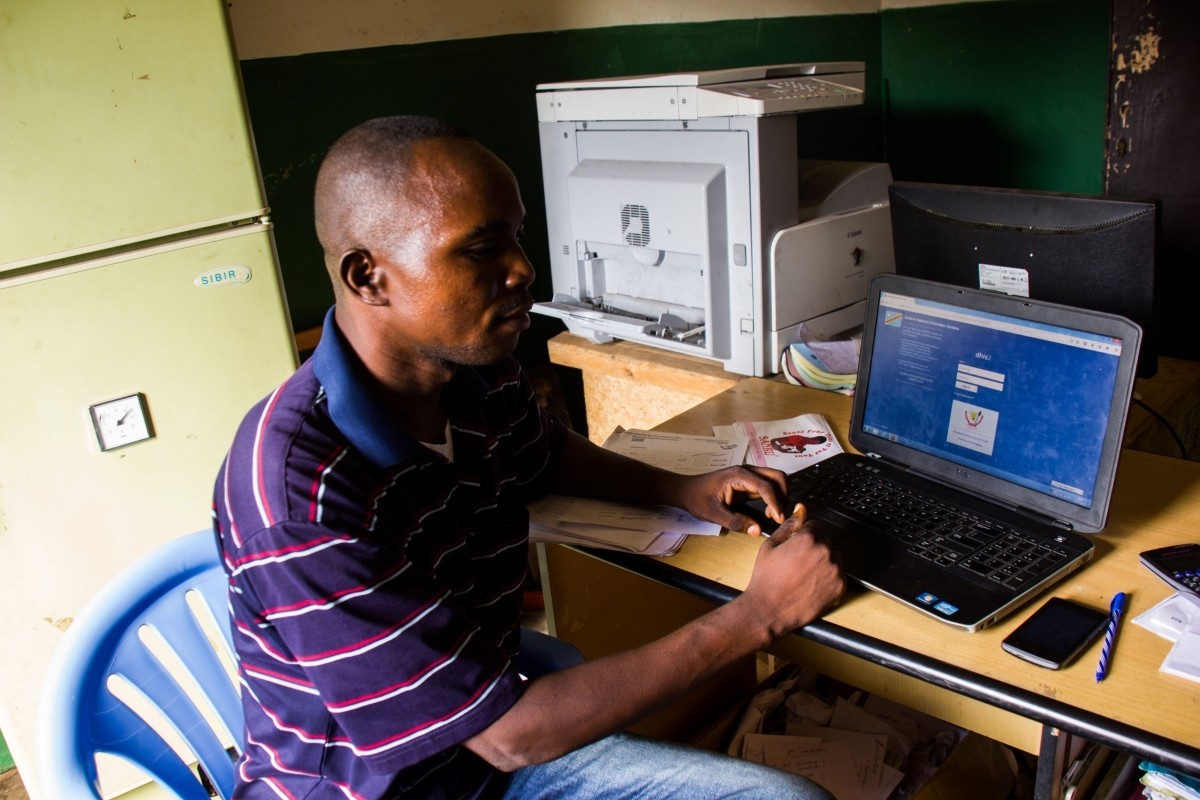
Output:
x,y
875,643
638,386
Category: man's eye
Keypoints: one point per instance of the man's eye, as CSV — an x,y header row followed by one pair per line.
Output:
x,y
482,250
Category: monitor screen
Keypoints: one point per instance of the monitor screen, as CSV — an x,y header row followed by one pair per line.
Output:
x,y
994,393
1078,250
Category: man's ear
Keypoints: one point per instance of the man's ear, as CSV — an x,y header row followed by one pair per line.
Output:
x,y
363,278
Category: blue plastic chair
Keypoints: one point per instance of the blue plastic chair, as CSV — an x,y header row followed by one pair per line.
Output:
x,y
80,716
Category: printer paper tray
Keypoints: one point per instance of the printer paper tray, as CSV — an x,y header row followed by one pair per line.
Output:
x,y
602,327
599,321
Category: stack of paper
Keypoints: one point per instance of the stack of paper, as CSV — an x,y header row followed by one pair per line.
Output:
x,y
1164,784
868,752
1178,619
787,445
827,365
649,530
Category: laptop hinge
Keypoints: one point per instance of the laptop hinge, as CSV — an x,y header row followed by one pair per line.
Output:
x,y
1053,522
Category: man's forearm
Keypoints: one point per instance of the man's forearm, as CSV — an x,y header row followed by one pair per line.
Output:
x,y
566,710
588,470
795,578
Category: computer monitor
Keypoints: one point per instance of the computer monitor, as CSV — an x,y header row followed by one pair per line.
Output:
x,y
1078,250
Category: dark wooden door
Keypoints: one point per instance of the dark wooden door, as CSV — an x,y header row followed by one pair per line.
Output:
x,y
1154,145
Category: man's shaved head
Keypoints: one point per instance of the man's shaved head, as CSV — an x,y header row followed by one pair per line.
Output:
x,y
360,179
421,227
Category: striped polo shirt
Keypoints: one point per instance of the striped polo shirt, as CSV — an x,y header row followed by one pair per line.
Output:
x,y
375,587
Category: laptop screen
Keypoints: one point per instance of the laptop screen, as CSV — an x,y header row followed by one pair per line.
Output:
x,y
1023,401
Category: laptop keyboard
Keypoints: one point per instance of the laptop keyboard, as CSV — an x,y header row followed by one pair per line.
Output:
x,y
935,530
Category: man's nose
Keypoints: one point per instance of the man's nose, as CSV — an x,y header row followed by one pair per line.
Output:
x,y
520,270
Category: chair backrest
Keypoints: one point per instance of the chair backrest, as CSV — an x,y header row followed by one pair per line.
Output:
x,y
178,593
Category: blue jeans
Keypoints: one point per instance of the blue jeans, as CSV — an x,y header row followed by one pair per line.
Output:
x,y
625,766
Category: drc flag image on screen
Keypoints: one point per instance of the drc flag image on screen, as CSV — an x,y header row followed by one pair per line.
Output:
x,y
1024,401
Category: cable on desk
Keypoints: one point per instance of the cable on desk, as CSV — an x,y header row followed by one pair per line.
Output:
x,y
1182,450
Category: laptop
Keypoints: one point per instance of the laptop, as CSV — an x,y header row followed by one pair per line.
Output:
x,y
990,427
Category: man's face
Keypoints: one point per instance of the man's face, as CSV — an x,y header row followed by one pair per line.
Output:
x,y
459,283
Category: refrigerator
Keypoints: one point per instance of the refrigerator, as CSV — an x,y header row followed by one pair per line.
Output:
x,y
142,310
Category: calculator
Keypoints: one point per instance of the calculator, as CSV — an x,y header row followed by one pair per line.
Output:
x,y
1178,565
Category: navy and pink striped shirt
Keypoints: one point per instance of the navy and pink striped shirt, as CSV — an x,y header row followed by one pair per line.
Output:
x,y
375,587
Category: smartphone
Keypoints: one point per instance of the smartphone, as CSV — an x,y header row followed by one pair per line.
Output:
x,y
1057,632
1178,565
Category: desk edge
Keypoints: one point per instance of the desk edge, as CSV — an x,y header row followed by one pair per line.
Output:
x,y
1096,727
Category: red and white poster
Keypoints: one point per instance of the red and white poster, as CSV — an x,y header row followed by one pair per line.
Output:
x,y
789,445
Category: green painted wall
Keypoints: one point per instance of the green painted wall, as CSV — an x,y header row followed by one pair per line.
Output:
x,y
1009,92
998,94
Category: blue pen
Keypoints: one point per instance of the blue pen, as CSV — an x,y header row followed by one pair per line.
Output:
x,y
1115,609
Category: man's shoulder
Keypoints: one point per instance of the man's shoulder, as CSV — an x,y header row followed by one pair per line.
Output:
x,y
285,411
282,442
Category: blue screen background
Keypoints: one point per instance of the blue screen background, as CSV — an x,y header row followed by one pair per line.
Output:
x,y
1050,417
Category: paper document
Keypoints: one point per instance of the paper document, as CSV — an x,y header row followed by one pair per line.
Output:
x,y
1178,619
836,355
557,508
678,452
1171,617
649,530
859,748
866,751
1184,659
829,365
827,763
555,518
789,445
647,544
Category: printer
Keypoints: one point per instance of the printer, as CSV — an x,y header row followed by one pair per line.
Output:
x,y
680,215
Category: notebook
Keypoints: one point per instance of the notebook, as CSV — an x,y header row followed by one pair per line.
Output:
x,y
991,427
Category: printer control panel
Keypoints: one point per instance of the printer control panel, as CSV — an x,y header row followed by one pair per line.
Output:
x,y
778,96
747,92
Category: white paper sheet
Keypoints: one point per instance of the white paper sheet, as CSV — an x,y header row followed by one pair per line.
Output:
x,y
1172,616
1184,659
651,530
1177,619
827,763
554,509
650,544
677,452
866,750
848,716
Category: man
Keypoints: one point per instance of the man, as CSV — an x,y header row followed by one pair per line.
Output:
x,y
372,517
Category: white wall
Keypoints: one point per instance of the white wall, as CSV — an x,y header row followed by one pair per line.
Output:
x,y
266,28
